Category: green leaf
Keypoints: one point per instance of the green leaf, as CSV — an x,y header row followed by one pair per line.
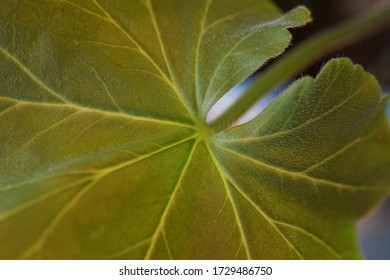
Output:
x,y
105,154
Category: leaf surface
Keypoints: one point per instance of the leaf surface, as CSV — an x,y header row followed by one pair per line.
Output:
x,y
105,155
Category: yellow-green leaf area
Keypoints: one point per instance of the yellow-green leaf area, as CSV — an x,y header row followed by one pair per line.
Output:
x,y
105,153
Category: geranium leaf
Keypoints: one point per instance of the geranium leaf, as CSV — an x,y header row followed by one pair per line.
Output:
x,y
105,154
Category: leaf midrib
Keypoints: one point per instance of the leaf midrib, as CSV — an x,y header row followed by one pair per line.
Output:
x,y
160,227
302,175
229,195
20,102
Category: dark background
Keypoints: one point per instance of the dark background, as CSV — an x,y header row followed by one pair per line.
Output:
x,y
374,54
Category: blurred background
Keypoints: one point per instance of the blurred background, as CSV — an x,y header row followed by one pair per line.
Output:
x,y
373,53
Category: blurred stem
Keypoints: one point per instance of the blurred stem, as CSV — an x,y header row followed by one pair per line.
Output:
x,y
302,56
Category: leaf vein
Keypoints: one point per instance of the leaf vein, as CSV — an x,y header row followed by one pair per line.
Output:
x,y
228,193
159,37
167,244
108,93
32,76
10,108
160,226
11,212
147,56
39,134
76,198
39,242
312,236
128,249
103,44
267,218
227,54
197,50
297,128
79,7
226,18
99,111
339,151
298,174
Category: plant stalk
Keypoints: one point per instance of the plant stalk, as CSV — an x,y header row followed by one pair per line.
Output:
x,y
302,56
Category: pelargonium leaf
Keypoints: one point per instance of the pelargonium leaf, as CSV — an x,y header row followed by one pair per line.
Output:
x,y
105,154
